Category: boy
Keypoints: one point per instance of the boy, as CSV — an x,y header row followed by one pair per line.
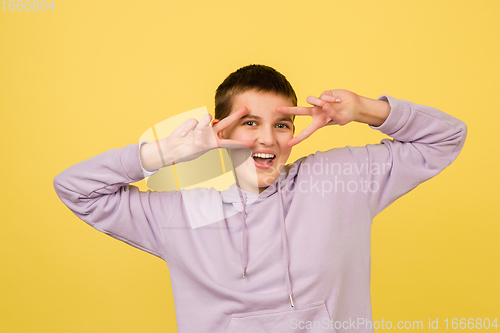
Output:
x,y
290,248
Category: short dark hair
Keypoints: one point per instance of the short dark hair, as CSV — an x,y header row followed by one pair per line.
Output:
x,y
251,77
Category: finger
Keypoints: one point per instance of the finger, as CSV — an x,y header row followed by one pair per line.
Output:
x,y
231,119
330,99
189,125
204,122
228,143
316,101
304,134
297,110
202,125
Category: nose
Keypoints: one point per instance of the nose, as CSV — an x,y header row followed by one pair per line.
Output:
x,y
266,136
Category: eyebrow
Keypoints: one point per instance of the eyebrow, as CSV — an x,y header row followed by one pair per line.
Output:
x,y
249,116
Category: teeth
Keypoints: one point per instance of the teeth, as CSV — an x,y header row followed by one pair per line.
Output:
x,y
263,155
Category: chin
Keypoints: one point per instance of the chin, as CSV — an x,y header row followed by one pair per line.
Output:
x,y
253,178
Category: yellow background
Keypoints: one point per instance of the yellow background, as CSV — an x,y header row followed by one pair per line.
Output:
x,y
94,75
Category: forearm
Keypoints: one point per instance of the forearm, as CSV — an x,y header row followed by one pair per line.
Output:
x,y
372,111
153,157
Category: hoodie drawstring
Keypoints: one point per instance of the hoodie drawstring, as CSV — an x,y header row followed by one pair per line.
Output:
x,y
244,259
284,240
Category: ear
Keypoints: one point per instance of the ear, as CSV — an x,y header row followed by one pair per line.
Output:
x,y
221,133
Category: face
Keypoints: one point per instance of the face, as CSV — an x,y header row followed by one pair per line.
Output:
x,y
270,131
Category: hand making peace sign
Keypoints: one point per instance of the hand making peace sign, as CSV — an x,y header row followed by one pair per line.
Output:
x,y
333,107
191,140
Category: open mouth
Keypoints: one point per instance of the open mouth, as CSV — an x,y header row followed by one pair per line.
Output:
x,y
263,159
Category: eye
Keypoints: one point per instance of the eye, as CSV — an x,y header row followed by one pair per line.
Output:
x,y
283,126
250,123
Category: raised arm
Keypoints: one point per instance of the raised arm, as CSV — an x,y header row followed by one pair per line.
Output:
x,y
426,141
97,190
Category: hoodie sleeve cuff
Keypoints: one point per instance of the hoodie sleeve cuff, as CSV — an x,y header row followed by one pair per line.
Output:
x,y
144,171
400,113
131,162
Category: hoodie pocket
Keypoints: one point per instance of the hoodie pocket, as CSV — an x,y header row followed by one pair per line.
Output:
x,y
312,317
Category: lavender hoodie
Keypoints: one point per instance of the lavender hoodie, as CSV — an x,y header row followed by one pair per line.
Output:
x,y
304,241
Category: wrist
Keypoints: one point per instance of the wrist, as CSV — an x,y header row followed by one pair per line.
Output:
x,y
153,156
373,112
